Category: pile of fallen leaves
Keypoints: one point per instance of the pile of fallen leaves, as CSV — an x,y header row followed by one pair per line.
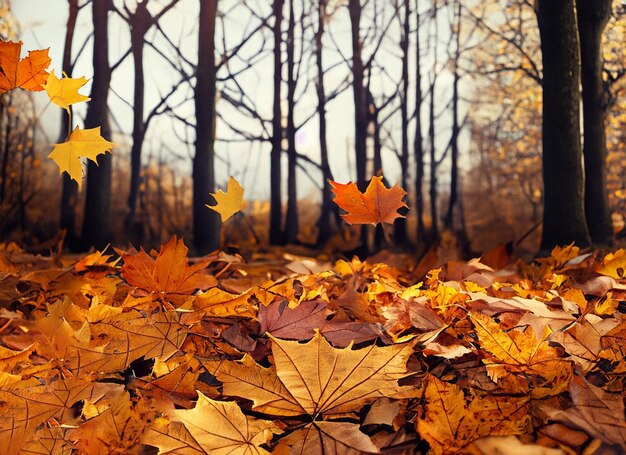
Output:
x,y
136,352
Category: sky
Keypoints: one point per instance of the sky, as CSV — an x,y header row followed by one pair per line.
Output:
x,y
42,25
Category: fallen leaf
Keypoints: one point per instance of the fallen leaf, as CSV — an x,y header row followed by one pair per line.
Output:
x,y
450,421
220,428
327,437
378,204
316,379
170,275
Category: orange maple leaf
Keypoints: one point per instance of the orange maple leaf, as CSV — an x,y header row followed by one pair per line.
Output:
x,y
28,73
170,273
378,204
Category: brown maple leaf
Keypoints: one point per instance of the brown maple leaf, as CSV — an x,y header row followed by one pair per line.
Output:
x,y
378,204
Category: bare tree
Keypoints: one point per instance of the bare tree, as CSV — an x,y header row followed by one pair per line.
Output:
x,y
206,223
98,197
275,234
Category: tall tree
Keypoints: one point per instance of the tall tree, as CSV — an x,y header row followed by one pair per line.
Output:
x,y
206,223
433,191
140,21
400,231
326,210
360,95
456,128
277,131
98,197
291,218
69,193
418,145
593,16
563,214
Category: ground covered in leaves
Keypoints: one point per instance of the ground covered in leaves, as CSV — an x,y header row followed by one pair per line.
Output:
x,y
139,353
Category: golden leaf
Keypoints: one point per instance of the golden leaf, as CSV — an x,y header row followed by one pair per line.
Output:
x,y
28,73
82,143
64,92
229,202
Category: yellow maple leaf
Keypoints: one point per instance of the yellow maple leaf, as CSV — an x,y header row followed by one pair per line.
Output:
x,y
82,143
64,92
614,265
229,202
314,378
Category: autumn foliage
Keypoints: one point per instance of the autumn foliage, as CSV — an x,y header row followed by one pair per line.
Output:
x,y
111,353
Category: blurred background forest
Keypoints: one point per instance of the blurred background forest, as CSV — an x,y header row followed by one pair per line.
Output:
x,y
443,97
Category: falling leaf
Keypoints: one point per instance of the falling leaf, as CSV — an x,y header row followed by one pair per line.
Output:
x,y
220,428
170,274
378,204
64,92
229,202
450,421
314,378
28,73
82,143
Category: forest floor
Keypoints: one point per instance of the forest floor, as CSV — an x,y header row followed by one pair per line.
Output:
x,y
130,352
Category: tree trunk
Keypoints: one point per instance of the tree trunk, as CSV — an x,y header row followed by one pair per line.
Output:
x,y
400,232
454,140
291,219
140,22
360,97
434,213
563,212
418,145
206,222
69,193
593,16
275,235
324,229
98,197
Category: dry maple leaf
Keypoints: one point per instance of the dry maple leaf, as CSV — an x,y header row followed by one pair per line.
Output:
x,y
314,378
326,438
82,143
28,73
64,92
450,421
594,411
229,202
378,204
519,351
216,427
169,274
